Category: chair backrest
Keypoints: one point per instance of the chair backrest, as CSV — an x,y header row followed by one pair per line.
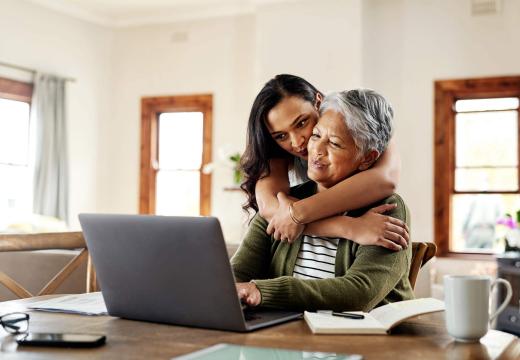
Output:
x,y
422,252
48,241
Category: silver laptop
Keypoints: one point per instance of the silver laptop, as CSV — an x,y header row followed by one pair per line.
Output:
x,y
171,270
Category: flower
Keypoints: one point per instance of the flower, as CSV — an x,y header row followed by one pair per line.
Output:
x,y
507,221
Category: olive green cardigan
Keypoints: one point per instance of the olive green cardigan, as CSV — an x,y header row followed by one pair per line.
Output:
x,y
366,276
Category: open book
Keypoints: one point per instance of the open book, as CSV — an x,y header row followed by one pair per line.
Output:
x,y
378,321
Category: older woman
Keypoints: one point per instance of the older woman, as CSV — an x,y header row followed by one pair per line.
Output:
x,y
331,273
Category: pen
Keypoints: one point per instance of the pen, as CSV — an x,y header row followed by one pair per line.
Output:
x,y
348,315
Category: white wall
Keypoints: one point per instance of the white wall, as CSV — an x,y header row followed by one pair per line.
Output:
x,y
41,39
318,40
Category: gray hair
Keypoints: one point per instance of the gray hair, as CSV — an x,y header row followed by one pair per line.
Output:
x,y
367,114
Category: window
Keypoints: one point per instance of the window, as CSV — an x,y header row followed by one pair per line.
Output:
x,y
176,144
15,169
477,170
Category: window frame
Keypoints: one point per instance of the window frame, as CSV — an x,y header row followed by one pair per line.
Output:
x,y
447,92
151,108
16,90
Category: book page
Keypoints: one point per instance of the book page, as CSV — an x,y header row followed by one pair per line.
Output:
x,y
391,314
322,323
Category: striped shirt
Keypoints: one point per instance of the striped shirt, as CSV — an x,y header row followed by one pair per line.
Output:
x,y
316,258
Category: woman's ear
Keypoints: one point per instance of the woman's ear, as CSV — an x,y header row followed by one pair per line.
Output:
x,y
319,99
368,160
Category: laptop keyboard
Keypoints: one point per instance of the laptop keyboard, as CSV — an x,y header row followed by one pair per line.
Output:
x,y
250,315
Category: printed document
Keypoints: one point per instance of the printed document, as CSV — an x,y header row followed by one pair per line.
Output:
x,y
83,304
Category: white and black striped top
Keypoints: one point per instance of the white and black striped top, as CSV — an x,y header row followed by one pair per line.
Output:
x,y
316,258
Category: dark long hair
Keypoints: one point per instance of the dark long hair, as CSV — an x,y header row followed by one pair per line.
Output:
x,y
260,146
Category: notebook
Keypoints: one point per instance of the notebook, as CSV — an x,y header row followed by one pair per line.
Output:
x,y
237,352
378,321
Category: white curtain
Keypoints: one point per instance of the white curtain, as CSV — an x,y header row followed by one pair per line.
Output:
x,y
50,196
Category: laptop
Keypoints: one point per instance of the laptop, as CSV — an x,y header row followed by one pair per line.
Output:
x,y
169,269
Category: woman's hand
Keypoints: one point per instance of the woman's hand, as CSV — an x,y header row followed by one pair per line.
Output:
x,y
373,228
281,226
249,293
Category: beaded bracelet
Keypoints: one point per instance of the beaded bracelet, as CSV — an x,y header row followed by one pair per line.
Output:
x,y
294,218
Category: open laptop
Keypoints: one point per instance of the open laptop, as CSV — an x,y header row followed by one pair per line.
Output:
x,y
171,270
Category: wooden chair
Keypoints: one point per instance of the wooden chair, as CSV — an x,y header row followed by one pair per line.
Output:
x,y
422,252
48,241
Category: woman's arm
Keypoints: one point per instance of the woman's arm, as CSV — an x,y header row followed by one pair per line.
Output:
x,y
372,228
267,187
357,191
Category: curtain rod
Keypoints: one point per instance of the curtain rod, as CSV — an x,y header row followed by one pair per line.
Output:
x,y
18,67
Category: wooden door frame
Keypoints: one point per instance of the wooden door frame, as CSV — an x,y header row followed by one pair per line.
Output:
x,y
446,93
151,108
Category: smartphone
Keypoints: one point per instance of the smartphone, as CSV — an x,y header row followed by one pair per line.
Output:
x,y
62,340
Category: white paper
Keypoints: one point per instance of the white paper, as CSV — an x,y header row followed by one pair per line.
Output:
x,y
496,342
83,304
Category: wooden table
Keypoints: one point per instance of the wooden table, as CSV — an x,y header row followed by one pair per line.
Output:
x,y
422,337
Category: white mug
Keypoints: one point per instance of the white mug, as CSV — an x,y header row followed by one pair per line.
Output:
x,y
467,305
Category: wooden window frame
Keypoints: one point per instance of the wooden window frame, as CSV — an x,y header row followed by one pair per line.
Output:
x,y
151,108
446,93
15,90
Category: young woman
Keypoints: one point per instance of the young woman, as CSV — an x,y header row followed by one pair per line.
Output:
x,y
280,124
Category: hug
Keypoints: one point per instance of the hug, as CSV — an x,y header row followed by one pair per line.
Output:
x,y
323,270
